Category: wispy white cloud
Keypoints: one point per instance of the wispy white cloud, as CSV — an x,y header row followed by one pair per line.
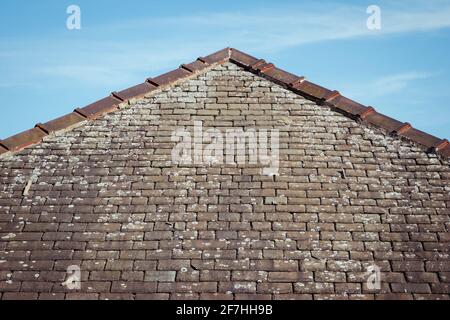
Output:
x,y
111,55
385,86
279,28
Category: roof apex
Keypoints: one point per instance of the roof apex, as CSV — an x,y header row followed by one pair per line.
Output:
x,y
267,70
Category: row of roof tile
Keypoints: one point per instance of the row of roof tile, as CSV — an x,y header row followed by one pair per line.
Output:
x,y
260,67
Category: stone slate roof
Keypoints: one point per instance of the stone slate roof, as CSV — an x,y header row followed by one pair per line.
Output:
x,y
97,189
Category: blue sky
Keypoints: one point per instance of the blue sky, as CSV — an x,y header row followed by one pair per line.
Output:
x,y
402,70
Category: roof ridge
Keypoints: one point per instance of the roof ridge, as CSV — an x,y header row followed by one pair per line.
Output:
x,y
297,84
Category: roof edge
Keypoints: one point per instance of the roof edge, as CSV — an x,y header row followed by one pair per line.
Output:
x,y
297,84
333,99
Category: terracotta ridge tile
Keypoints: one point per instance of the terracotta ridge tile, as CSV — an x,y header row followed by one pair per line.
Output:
x,y
274,74
382,121
241,58
169,77
257,63
23,139
99,108
333,95
117,96
153,83
261,66
422,138
219,56
3,150
62,123
441,145
136,91
266,68
364,114
402,128
445,151
297,82
183,66
352,108
41,126
316,92
282,77
80,112
195,66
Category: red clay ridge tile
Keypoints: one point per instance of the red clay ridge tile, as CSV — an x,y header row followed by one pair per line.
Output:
x,y
312,90
2,149
441,145
422,138
195,66
153,83
242,59
114,94
364,114
266,68
23,139
384,122
257,65
445,152
169,77
270,71
137,91
402,128
282,77
296,82
333,95
64,122
99,108
349,106
219,56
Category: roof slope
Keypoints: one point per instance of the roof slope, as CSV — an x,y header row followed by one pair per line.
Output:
x,y
297,84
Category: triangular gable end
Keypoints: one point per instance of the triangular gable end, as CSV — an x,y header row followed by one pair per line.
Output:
x,y
116,100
